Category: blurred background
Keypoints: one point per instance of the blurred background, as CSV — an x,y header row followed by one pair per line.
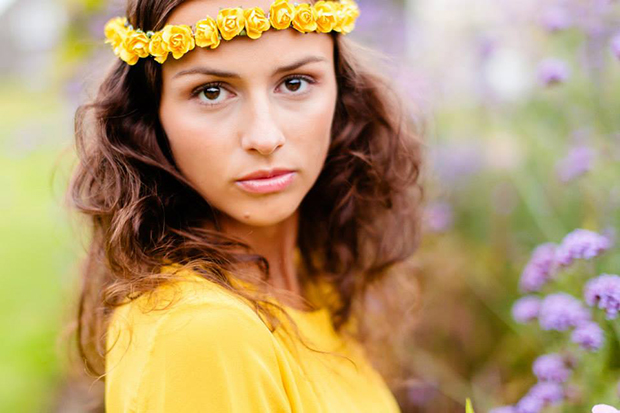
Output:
x,y
523,104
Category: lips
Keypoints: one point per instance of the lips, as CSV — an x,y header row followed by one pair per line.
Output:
x,y
266,174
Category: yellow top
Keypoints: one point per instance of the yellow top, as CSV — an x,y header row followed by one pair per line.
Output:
x,y
210,352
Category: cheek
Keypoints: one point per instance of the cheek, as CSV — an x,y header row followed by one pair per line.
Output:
x,y
312,129
199,152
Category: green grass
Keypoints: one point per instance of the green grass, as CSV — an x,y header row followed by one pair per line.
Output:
x,y
37,248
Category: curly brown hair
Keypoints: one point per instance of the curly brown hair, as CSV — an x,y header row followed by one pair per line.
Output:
x,y
359,220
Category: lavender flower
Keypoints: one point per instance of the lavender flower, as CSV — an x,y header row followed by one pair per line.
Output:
x,y
548,392
615,45
581,244
552,71
529,404
526,309
604,291
439,217
551,367
503,409
589,336
576,163
561,311
539,269
556,18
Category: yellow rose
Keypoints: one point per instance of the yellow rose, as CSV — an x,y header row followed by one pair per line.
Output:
x,y
305,18
281,14
206,33
157,48
135,45
231,22
178,39
325,15
255,22
114,31
346,15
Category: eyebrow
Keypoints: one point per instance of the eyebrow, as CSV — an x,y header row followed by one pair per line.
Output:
x,y
203,70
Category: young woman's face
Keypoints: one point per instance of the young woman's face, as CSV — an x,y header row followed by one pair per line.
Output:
x,y
248,106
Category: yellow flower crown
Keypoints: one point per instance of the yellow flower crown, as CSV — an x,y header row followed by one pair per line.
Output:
x,y
323,16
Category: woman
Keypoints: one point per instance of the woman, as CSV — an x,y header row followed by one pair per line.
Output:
x,y
247,178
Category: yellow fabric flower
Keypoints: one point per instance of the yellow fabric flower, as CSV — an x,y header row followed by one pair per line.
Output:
x,y
178,39
135,45
281,14
230,22
347,13
305,18
255,22
206,33
114,31
325,15
157,48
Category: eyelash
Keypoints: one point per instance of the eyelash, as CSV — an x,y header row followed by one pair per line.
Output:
x,y
220,84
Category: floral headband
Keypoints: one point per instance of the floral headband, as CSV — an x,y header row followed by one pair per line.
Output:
x,y
130,44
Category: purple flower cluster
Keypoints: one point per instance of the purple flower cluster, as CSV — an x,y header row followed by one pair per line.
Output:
x,y
581,244
548,391
439,216
551,368
526,309
552,371
561,311
552,71
556,18
539,269
604,292
615,45
589,336
577,162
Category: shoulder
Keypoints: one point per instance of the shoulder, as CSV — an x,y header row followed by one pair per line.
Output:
x,y
197,347
222,326
182,313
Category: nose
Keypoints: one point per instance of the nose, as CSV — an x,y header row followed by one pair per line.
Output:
x,y
262,132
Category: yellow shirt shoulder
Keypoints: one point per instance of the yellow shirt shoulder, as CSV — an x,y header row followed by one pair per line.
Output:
x,y
210,352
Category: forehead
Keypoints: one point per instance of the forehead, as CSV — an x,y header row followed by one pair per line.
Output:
x,y
272,48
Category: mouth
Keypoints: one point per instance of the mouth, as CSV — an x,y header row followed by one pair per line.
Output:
x,y
272,182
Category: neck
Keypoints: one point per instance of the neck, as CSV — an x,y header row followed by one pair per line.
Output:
x,y
277,243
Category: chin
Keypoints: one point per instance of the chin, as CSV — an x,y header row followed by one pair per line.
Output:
x,y
262,213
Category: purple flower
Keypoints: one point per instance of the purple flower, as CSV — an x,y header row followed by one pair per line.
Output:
x,y
529,404
615,45
503,409
576,163
551,367
581,244
548,392
525,309
552,71
604,292
539,269
439,216
589,336
561,311
556,18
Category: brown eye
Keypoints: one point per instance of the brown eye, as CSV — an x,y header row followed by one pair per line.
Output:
x,y
293,84
296,85
213,94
